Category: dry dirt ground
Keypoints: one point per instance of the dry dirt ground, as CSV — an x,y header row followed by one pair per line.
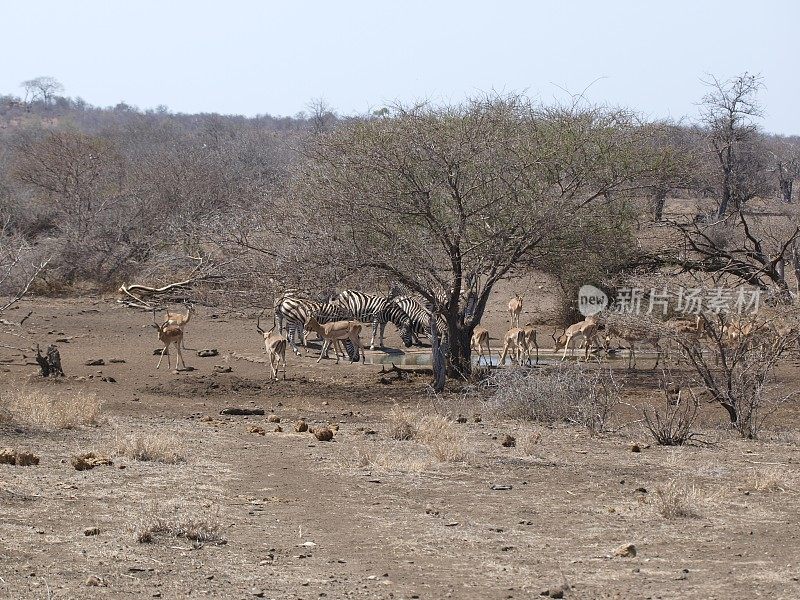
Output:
x,y
365,515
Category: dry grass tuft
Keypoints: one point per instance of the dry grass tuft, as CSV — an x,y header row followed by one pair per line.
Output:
x,y
677,499
392,458
176,521
528,442
769,479
401,424
42,409
164,447
445,440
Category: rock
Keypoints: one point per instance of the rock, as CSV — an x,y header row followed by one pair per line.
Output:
x,y
257,592
8,456
26,459
95,581
461,419
95,362
509,441
626,551
556,592
21,458
274,419
333,426
301,426
501,487
256,429
91,531
323,434
635,448
84,462
477,419
207,419
116,360
278,429
641,490
208,352
222,369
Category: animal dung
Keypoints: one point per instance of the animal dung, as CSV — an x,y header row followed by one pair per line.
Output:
x,y
323,434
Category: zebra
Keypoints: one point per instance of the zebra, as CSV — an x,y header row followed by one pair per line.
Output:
x,y
296,312
378,310
419,316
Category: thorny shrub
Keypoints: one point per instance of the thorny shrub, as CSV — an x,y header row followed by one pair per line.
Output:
x,y
566,392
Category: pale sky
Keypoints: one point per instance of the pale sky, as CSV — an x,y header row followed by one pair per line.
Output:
x,y
248,57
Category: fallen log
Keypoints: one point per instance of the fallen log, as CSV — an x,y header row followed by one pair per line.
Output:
x,y
241,411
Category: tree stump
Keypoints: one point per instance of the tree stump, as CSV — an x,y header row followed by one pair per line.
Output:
x,y
49,364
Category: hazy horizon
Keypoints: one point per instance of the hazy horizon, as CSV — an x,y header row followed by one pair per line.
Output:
x,y
252,58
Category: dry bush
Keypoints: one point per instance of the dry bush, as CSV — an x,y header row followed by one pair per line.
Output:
x,y
676,499
566,392
177,521
770,479
673,425
44,409
164,447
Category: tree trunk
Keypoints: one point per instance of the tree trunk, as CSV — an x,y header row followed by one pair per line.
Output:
x,y
659,201
786,190
460,354
437,357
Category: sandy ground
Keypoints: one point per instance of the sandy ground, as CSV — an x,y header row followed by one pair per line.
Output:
x,y
365,515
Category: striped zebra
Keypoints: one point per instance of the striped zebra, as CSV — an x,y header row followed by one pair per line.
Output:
x,y
295,312
420,317
378,310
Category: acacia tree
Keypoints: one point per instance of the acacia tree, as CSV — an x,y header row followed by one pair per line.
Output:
x,y
449,200
729,111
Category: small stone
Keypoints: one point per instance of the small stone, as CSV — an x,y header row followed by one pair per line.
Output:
x,y
501,487
91,531
509,441
95,362
461,419
256,429
117,360
223,369
278,429
625,551
301,426
257,592
274,419
207,352
94,581
635,448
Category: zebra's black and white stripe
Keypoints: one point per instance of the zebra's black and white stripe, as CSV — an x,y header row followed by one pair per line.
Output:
x,y
377,310
419,317
295,313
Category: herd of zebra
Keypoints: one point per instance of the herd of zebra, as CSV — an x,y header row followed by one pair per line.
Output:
x,y
412,318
